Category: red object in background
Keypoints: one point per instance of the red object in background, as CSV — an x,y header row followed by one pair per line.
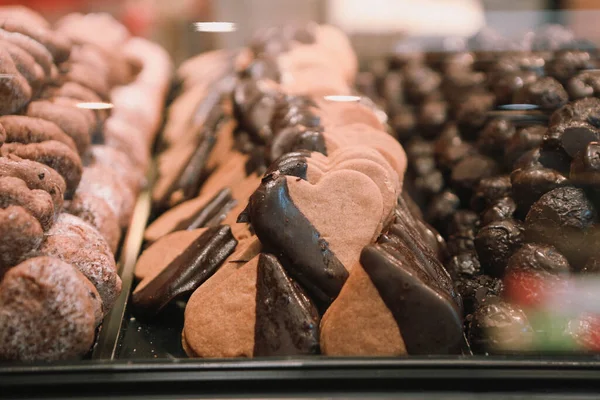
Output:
x,y
138,19
46,5
530,290
586,332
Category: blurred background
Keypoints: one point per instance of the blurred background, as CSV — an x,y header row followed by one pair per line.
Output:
x,y
375,26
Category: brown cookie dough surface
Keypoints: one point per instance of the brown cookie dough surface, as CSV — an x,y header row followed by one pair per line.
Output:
x,y
23,129
46,312
35,176
96,212
55,155
121,163
41,55
26,65
358,323
75,241
69,119
20,234
160,254
15,92
14,192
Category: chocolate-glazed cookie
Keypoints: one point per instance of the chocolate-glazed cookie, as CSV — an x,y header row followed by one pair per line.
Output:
x,y
23,129
185,273
14,192
411,298
20,234
75,241
35,176
311,261
96,212
47,313
54,154
287,323
69,119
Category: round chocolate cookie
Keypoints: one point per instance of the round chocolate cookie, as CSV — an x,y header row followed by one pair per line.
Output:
x,y
132,175
14,192
15,92
20,233
41,55
75,241
22,129
26,65
96,212
47,312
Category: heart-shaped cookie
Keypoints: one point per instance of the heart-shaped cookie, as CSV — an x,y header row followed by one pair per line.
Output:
x,y
340,113
220,323
47,313
345,207
364,135
358,323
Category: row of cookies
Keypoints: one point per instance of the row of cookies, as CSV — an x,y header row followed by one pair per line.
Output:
x,y
67,183
296,228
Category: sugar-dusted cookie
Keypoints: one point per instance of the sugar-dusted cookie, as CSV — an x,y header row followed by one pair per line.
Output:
x,y
14,192
23,129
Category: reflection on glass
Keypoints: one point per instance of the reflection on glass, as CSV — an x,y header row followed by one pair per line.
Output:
x,y
518,107
215,27
95,106
342,98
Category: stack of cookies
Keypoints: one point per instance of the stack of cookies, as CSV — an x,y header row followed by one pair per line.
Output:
x,y
281,213
70,171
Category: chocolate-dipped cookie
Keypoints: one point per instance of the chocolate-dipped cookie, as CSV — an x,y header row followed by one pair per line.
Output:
x,y
185,273
75,241
47,313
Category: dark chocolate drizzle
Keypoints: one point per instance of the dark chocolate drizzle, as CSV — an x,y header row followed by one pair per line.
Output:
x,y
212,214
282,228
287,323
429,320
186,272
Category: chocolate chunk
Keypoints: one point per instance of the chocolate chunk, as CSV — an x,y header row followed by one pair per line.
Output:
x,y
499,327
186,272
490,190
469,171
530,184
584,84
585,168
495,136
472,113
279,224
464,265
287,323
463,220
503,208
412,299
564,218
566,63
496,242
525,139
441,209
546,92
210,215
508,84
478,290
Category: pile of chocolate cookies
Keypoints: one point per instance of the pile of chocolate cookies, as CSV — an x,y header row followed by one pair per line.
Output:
x,y
281,216
77,121
502,140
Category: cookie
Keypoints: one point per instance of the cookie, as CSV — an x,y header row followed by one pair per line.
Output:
x,y
46,312
96,212
103,182
75,241
185,273
15,92
133,176
26,65
336,113
220,323
55,155
69,119
35,176
41,55
20,234
23,129
364,135
24,15
14,192
164,250
359,323
58,45
87,76
128,139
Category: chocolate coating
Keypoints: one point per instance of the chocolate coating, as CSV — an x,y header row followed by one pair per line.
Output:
x,y
496,242
412,299
287,323
489,190
186,272
281,226
210,215
478,290
546,92
503,208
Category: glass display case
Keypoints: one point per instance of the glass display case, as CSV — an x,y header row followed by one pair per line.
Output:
x,y
326,198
